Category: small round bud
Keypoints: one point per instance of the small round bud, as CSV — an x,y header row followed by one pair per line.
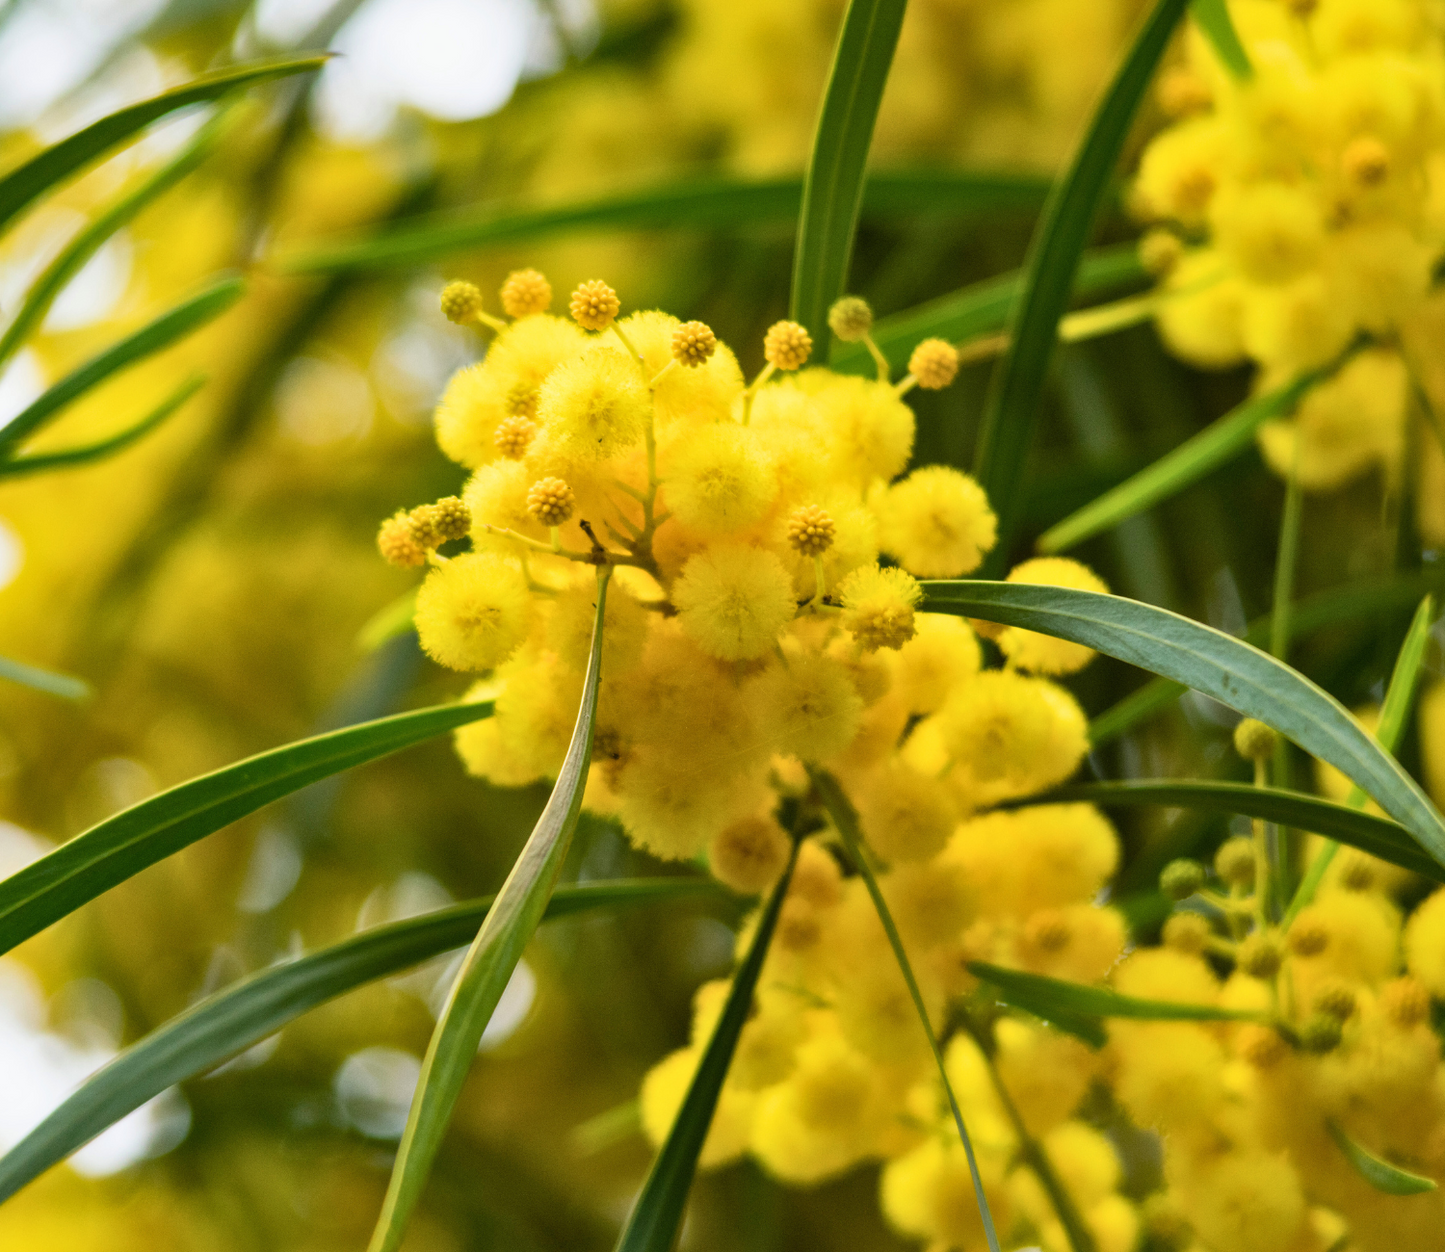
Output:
x,y
811,530
934,364
1357,873
551,501
1260,955
1159,251
514,436
1321,1033
1307,938
1047,930
423,526
1405,1001
693,343
397,543
526,292
1187,932
850,318
1181,879
1335,999
1261,1046
1254,741
1234,862
1365,162
595,305
787,345
461,302
521,401
452,518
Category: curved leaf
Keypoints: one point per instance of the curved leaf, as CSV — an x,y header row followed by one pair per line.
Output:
x,y
109,853
388,622
161,333
1212,17
37,175
1210,661
233,1020
833,189
489,963
66,686
1380,1174
656,1217
1018,383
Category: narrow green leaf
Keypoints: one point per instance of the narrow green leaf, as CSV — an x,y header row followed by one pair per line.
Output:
x,y
388,622
87,242
233,1020
1211,449
1016,392
489,963
657,1216
66,686
1212,17
694,203
43,171
1075,1005
845,822
1380,1174
65,458
109,853
980,309
833,188
161,333
1379,836
1368,598
1233,672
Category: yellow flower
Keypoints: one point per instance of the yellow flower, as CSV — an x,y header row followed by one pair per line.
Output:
x,y
937,522
474,611
733,600
1043,654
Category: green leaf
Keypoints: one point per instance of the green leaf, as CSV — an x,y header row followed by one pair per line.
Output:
x,y
1380,1174
980,309
1367,598
489,963
1080,1009
656,1217
87,242
694,203
64,458
845,822
161,333
1213,447
1212,17
43,171
833,188
65,686
254,1008
388,622
1234,673
1016,392
1378,836
109,853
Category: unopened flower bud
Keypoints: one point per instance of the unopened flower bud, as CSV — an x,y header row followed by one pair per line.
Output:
x,y
526,292
461,302
595,305
1321,1033
1335,999
934,364
1261,1046
551,501
451,518
693,343
1254,741
1357,873
1159,251
1260,955
1187,932
1307,938
1405,1001
1234,862
787,345
850,318
397,543
1181,879
811,530
514,436
521,401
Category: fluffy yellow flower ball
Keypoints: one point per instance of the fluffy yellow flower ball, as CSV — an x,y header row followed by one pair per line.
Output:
x,y
474,611
937,522
733,599
1043,654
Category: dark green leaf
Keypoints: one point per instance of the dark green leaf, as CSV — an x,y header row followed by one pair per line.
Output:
x,y
1380,1174
161,333
1016,392
1212,662
833,188
657,1215
43,171
238,1017
489,963
63,685
1213,19
64,458
123,845
695,203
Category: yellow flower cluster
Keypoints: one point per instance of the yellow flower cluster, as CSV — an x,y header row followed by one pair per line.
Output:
x,y
1308,198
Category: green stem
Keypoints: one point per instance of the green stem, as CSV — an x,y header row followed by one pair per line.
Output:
x,y
1279,632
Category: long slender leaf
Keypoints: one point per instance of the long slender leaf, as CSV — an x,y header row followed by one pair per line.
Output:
x,y
1200,455
123,845
233,1020
656,1217
833,188
1214,663
489,963
1379,836
1017,388
161,333
388,622
845,822
87,242
66,686
1380,1174
694,203
65,458
43,171
1368,598
981,309
1212,17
